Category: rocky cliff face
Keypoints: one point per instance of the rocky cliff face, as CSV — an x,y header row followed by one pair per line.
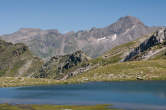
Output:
x,y
150,47
16,60
94,42
62,67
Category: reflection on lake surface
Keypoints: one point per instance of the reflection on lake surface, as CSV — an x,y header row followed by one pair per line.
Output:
x,y
134,95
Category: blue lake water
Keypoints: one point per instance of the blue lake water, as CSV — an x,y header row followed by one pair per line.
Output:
x,y
131,95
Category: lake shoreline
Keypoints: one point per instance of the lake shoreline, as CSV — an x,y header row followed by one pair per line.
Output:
x,y
55,107
24,82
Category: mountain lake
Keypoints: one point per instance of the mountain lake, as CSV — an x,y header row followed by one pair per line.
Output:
x,y
129,95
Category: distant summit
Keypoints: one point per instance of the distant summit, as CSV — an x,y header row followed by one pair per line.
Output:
x,y
130,19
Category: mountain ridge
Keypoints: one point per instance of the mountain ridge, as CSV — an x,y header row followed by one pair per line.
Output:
x,y
94,42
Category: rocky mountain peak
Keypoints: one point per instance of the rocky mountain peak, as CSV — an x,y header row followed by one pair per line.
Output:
x,y
127,23
130,19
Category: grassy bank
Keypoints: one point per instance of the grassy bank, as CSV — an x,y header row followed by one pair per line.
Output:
x,y
53,107
135,70
23,81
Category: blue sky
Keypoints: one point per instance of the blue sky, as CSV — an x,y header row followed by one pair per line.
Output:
x,y
68,15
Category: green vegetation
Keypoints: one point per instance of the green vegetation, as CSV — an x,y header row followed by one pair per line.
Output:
x,y
105,61
77,67
134,70
160,55
17,60
60,66
55,107
117,53
125,47
24,81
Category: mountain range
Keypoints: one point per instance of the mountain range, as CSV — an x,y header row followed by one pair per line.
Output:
x,y
121,56
93,42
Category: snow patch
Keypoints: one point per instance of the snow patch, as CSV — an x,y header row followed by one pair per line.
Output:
x,y
114,37
100,39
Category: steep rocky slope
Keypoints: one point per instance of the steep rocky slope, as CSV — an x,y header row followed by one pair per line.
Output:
x,y
94,42
62,67
151,47
16,60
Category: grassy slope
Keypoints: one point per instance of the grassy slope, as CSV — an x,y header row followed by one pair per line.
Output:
x,y
160,55
53,107
146,70
111,69
15,56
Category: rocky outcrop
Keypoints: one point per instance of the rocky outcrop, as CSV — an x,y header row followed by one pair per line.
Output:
x,y
20,50
145,49
59,67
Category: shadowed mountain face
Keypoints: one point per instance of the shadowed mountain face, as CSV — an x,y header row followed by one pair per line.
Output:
x,y
94,42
